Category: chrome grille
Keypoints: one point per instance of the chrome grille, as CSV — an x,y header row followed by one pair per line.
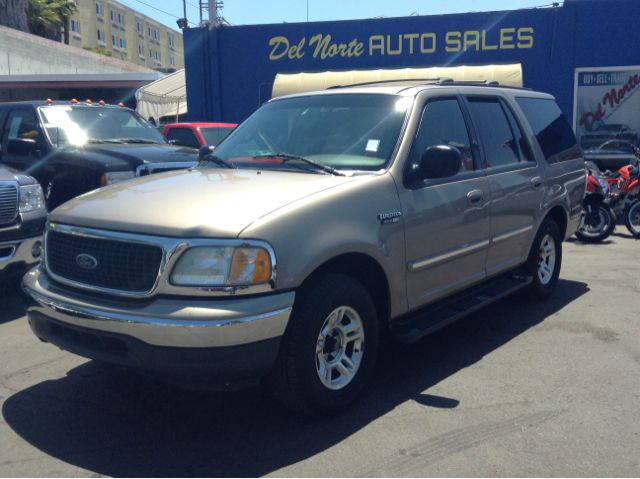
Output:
x,y
8,203
120,265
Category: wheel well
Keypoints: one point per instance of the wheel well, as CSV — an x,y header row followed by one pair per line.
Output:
x,y
558,215
368,272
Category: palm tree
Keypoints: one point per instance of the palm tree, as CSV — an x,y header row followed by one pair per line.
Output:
x,y
46,17
65,9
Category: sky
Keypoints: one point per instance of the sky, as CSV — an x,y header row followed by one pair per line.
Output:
x,y
243,12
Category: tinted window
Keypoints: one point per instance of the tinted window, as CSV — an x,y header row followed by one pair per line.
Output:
x,y
500,146
183,136
21,124
555,136
443,124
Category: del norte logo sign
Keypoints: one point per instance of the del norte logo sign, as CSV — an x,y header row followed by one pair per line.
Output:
x,y
323,45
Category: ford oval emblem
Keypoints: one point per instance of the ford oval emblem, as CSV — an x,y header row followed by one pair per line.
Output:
x,y
86,261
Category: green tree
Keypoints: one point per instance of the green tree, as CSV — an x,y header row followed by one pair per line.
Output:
x,y
47,17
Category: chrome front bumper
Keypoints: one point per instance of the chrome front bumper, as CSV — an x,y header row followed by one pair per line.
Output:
x,y
176,322
20,251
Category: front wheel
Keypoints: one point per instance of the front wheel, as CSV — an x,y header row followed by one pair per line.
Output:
x,y
329,348
632,219
597,225
545,259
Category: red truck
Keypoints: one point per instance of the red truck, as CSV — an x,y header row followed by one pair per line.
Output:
x,y
197,135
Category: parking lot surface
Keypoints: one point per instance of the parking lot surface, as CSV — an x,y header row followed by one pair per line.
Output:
x,y
517,389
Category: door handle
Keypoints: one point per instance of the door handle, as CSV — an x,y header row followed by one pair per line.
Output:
x,y
536,181
475,196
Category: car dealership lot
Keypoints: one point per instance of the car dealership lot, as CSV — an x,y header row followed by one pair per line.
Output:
x,y
520,388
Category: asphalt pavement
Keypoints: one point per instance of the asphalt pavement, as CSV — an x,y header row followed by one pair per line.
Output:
x,y
517,389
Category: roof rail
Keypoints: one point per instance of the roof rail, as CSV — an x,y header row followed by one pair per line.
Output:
x,y
470,82
419,81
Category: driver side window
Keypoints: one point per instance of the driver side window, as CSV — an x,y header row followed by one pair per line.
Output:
x,y
443,123
23,125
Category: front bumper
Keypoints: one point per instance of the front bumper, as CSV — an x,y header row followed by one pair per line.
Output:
x,y
228,340
17,256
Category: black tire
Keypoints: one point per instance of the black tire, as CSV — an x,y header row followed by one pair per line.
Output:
x,y
539,288
60,190
295,379
632,219
608,223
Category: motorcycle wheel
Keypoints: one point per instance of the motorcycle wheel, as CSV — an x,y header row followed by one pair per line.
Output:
x,y
632,219
598,225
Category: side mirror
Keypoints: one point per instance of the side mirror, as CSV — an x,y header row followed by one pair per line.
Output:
x,y
21,146
440,161
204,151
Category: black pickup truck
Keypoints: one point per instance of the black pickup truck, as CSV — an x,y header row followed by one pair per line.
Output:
x,y
75,147
22,217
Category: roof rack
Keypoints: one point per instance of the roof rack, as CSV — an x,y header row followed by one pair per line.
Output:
x,y
425,81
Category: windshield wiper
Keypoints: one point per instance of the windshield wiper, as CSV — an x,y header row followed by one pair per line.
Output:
x,y
217,160
112,140
138,140
286,157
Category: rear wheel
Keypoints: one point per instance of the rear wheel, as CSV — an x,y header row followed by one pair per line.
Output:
x,y
330,347
632,219
545,259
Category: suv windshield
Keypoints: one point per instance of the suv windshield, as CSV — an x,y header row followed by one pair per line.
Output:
x,y
77,125
341,131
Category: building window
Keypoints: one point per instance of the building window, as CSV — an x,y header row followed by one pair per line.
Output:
x,y
141,50
123,43
75,26
139,27
114,41
171,41
99,9
112,13
121,19
172,60
101,36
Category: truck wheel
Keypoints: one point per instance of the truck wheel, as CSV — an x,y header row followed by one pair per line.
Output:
x,y
545,259
59,190
330,347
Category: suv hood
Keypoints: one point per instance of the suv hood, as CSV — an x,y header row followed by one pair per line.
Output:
x,y
129,156
196,203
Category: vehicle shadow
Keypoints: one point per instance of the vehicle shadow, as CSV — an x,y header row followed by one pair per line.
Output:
x,y
118,423
13,302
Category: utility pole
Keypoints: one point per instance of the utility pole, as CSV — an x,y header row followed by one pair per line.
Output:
x,y
213,12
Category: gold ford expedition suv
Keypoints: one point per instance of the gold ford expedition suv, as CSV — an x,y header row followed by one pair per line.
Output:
x,y
323,223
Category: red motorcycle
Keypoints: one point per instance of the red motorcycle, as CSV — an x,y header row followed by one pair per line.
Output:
x,y
624,192
599,220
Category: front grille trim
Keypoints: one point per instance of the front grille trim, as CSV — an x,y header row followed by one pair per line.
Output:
x,y
104,235
9,201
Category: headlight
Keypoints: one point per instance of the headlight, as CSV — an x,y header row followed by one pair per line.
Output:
x,y
604,184
116,176
222,266
31,198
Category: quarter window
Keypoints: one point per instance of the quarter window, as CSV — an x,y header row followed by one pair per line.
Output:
x,y
500,145
552,130
443,123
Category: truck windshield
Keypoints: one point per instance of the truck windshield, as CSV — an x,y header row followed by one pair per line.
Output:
x,y
340,131
77,125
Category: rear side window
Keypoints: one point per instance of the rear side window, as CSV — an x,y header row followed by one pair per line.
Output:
x,y
183,136
552,130
501,147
